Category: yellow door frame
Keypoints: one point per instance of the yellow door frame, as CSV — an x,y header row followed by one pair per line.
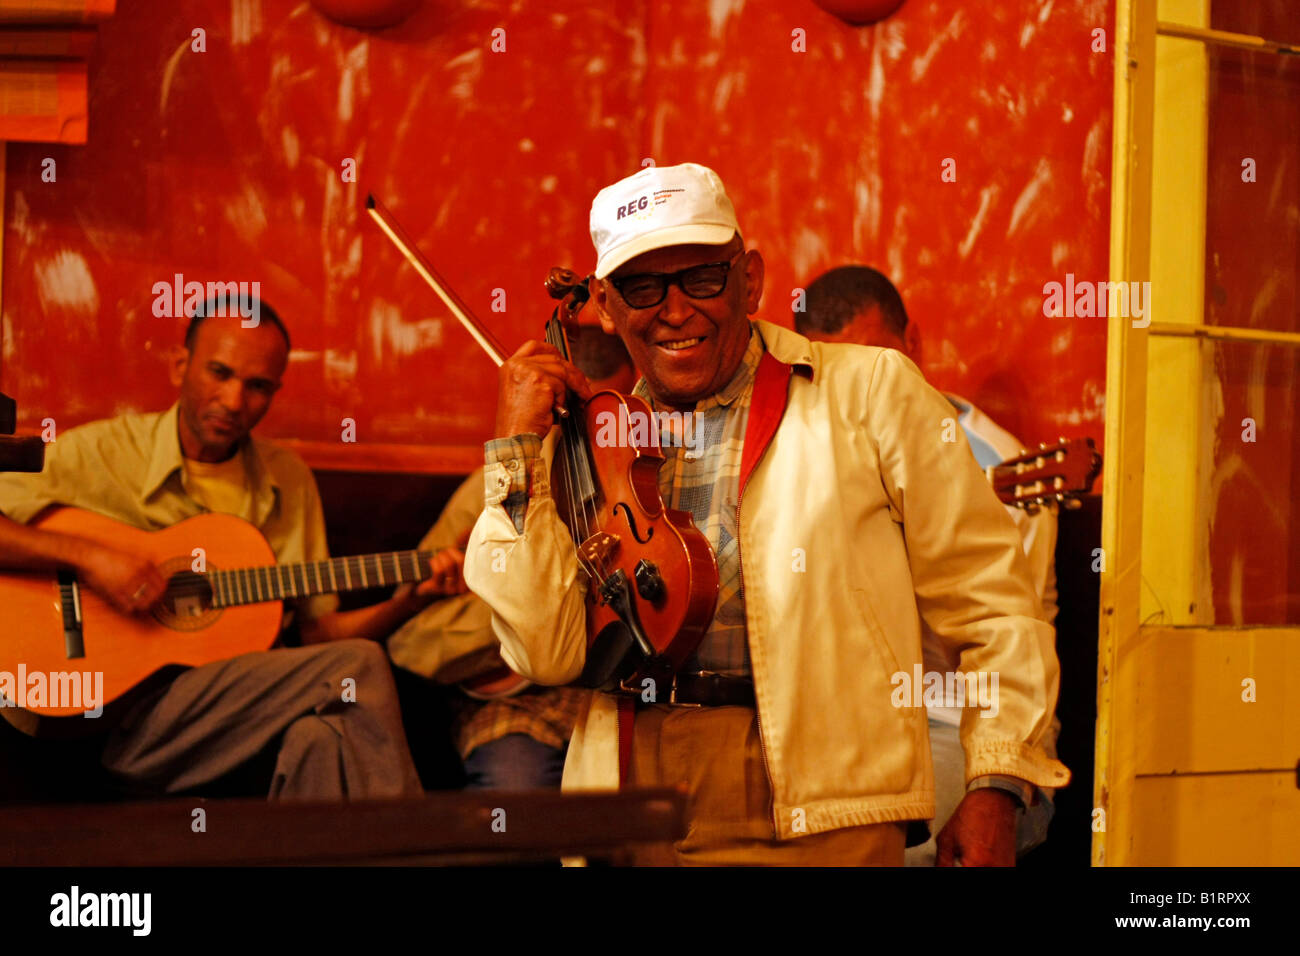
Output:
x,y
1188,771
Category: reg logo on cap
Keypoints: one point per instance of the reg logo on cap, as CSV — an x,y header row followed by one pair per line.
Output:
x,y
641,208
656,207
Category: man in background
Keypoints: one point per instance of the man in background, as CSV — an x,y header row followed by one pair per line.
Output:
x,y
860,305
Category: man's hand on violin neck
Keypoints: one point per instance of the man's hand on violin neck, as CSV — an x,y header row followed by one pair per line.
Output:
x,y
532,383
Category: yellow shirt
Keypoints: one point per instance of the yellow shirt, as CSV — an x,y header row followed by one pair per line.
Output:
x,y
218,485
130,468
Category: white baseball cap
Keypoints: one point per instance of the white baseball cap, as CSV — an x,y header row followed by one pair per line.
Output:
x,y
659,206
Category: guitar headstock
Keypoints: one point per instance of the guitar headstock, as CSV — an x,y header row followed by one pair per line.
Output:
x,y
1055,473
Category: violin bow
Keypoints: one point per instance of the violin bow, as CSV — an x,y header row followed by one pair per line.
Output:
x,y
425,270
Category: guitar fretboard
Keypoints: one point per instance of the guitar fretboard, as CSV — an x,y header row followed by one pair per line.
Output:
x,y
278,582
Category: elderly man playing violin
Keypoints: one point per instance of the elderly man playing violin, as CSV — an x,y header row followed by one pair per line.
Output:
x,y
839,517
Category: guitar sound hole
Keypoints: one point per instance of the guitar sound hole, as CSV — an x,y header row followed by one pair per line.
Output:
x,y
187,603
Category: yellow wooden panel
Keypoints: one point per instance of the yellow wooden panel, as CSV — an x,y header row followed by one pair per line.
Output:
x,y
1189,715
1218,820
1175,560
1126,357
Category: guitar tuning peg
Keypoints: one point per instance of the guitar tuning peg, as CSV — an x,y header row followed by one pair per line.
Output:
x,y
1072,504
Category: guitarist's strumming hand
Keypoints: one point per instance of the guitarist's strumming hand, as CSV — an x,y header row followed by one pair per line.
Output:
x,y
128,581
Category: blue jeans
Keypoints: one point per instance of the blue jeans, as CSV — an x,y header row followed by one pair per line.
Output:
x,y
950,787
514,762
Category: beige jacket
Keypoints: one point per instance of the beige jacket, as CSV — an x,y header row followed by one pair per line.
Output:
x,y
856,516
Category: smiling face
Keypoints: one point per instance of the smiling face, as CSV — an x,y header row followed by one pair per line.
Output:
x,y
686,348
226,384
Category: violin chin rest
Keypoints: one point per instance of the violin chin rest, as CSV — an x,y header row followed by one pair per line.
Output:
x,y
611,656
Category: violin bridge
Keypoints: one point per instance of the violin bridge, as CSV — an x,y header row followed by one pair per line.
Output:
x,y
598,550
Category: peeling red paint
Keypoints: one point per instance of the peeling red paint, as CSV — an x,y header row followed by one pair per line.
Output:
x,y
225,165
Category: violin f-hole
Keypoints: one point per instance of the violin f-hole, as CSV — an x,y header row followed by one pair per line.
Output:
x,y
631,520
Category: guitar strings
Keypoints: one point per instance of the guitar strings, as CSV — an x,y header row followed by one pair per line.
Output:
x,y
223,584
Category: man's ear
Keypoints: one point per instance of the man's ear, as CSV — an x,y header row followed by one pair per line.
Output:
x,y
177,362
754,271
912,343
599,301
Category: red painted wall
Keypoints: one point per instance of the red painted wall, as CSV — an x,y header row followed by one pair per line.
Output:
x,y
225,165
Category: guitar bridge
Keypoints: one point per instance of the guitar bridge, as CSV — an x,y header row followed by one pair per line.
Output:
x,y
74,640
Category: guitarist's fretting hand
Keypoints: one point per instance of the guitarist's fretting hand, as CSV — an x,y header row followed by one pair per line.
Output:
x,y
446,578
128,581
447,575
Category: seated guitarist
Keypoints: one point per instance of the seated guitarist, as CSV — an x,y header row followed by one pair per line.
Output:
x,y
153,470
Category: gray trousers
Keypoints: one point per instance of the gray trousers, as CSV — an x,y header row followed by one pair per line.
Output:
x,y
339,739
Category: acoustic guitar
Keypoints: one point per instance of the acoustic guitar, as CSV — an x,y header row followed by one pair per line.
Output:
x,y
223,599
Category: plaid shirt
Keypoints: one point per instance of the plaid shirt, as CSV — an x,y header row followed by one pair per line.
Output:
x,y
547,714
704,479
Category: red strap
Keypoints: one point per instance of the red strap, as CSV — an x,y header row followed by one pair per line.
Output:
x,y
766,408
626,720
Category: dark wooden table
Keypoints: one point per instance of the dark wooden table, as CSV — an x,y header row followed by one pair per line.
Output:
x,y
452,828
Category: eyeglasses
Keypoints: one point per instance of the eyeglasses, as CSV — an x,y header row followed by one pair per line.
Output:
x,y
645,290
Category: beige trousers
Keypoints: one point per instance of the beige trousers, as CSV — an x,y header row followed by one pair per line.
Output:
x,y
716,754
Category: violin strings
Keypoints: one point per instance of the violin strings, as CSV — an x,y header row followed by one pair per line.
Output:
x,y
580,527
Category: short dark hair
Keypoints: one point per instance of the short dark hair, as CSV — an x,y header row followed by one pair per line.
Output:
x,y
835,298
219,306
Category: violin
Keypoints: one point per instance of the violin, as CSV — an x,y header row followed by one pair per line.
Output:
x,y
652,577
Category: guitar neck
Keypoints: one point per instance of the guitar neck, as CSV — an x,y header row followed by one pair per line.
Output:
x,y
279,582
